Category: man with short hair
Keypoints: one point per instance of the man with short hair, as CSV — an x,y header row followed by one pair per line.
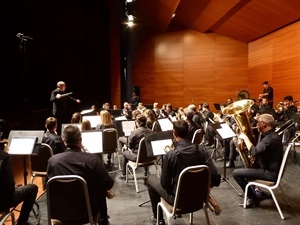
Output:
x,y
190,155
76,162
52,138
268,155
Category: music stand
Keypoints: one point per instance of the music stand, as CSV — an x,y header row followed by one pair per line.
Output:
x,y
225,132
22,145
92,140
165,124
155,146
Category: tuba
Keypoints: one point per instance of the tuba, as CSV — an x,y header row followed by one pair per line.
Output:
x,y
239,110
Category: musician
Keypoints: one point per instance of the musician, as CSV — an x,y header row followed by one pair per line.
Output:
x,y
266,108
190,155
126,111
210,132
88,166
52,138
12,196
268,156
133,143
59,102
156,109
197,117
289,112
188,117
267,93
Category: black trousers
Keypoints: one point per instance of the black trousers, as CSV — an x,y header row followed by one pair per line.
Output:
x,y
243,176
26,194
155,192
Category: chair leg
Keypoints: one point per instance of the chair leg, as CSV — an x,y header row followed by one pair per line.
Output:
x,y
206,215
135,180
277,205
245,196
191,218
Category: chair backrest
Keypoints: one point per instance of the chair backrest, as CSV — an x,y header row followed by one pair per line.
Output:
x,y
283,164
39,161
110,140
142,157
197,137
192,189
68,200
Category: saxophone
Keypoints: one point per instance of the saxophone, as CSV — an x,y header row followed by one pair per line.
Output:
x,y
239,111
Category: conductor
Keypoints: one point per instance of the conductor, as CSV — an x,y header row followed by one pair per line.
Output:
x,y
59,99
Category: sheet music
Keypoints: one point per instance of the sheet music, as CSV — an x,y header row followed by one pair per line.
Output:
x,y
22,145
119,118
86,111
165,124
94,120
225,131
158,147
128,126
92,141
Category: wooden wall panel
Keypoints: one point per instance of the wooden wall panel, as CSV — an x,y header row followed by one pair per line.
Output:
x,y
276,58
190,67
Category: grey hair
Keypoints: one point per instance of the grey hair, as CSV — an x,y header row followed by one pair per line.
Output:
x,y
267,118
71,135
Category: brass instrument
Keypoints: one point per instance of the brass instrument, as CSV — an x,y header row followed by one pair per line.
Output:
x,y
238,110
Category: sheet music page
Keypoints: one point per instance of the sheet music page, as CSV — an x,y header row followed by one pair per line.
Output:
x,y
94,120
128,126
120,118
165,124
225,131
86,111
158,147
22,145
92,141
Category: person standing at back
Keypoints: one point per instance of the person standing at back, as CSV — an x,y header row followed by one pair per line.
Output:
x,y
76,162
52,138
267,93
59,101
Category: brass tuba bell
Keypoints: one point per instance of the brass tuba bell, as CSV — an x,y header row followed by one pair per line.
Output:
x,y
239,112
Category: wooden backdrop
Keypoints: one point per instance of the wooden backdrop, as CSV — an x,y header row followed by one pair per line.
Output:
x,y
184,67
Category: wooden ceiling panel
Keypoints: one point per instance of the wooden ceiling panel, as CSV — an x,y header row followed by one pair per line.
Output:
x,y
244,20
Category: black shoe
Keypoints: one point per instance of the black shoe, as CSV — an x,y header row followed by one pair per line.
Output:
x,y
262,195
251,203
230,164
154,221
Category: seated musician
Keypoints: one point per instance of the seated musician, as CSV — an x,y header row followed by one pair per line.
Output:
x,y
12,196
133,143
268,156
190,155
188,117
266,108
210,132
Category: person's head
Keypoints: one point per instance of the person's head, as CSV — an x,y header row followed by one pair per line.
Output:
x,y
264,101
288,101
205,106
180,129
86,125
265,84
71,135
76,117
169,107
105,118
188,113
155,105
115,107
51,124
126,105
106,105
135,113
149,115
140,120
229,101
200,106
61,85
265,122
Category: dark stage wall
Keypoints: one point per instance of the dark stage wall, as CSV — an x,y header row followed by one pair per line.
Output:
x,y
70,43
